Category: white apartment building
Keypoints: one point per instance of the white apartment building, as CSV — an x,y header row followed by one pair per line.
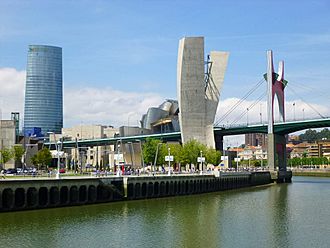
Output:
x,y
90,156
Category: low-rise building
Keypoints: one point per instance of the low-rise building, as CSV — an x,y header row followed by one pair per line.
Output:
x,y
7,139
260,153
246,153
313,150
97,156
324,148
299,150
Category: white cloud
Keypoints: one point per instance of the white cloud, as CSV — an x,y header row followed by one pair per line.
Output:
x,y
85,105
12,84
106,106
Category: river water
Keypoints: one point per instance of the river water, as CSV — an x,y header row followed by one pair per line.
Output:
x,y
280,215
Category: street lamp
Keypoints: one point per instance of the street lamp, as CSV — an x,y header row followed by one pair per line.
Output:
x,y
141,153
201,162
156,156
303,110
294,111
131,153
169,161
261,113
79,159
247,116
237,157
117,145
58,155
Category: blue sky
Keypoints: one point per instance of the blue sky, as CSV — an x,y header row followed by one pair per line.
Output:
x,y
120,56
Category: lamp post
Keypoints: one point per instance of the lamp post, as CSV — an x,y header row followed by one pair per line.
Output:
x,y
131,153
201,162
79,158
294,111
121,144
141,153
247,116
261,113
237,157
156,156
58,155
169,161
303,110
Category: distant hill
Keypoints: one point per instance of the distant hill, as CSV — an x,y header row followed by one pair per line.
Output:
x,y
313,135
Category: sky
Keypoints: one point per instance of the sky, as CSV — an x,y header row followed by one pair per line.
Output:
x,y
120,57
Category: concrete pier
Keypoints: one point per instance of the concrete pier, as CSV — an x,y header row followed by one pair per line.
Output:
x,y
27,194
281,176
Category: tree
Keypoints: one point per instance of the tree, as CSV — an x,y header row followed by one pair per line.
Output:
x,y
309,136
6,155
324,134
18,152
34,160
175,151
213,156
312,135
43,157
149,150
190,151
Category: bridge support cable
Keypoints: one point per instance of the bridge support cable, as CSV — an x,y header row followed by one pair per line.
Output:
x,y
251,106
309,89
300,98
240,101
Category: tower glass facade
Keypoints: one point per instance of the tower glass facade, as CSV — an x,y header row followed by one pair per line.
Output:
x,y
43,89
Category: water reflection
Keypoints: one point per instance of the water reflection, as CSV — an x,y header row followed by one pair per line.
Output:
x,y
280,216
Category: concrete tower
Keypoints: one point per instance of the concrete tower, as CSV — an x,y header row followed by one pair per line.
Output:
x,y
276,143
199,84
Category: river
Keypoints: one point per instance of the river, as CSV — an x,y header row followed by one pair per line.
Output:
x,y
280,215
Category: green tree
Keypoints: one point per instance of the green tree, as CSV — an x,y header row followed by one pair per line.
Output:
x,y
313,136
190,151
309,136
324,134
149,150
44,157
175,151
34,160
18,151
6,155
213,156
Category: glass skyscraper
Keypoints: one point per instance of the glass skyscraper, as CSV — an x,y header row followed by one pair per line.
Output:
x,y
43,90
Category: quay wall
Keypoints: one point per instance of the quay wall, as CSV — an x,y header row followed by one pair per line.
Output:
x,y
27,194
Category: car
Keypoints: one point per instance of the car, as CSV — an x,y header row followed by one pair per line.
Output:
x,y
11,171
62,170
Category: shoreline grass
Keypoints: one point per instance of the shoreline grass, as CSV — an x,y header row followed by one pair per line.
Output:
x,y
311,173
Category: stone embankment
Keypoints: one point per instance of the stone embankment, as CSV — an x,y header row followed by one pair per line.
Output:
x,y
27,194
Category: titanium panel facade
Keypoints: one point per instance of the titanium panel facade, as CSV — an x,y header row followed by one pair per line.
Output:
x,y
198,98
43,92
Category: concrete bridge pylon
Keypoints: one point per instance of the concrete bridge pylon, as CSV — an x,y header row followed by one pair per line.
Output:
x,y
276,152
